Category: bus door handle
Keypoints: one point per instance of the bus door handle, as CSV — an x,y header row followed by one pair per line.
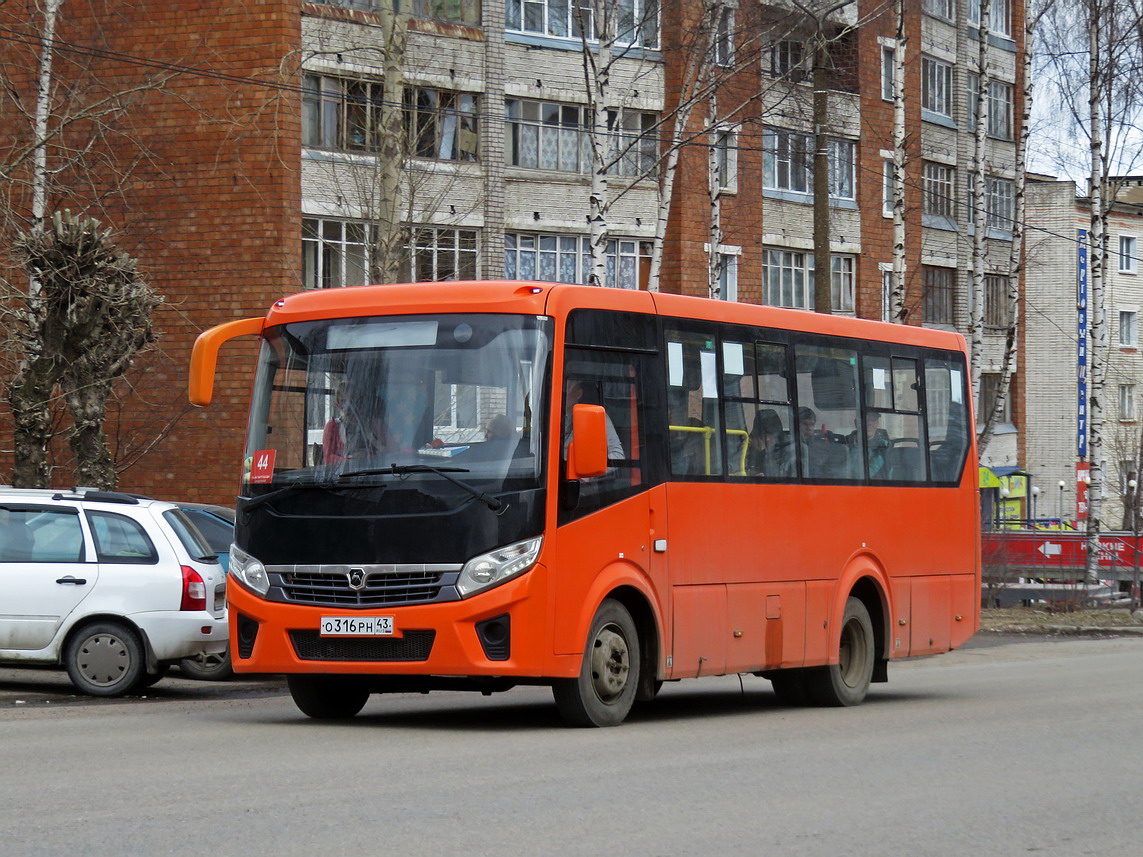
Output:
x,y
660,546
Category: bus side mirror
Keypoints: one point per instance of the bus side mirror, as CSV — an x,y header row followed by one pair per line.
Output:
x,y
587,452
204,357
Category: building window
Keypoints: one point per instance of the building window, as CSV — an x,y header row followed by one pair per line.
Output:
x,y
888,72
1001,203
939,188
450,11
989,390
724,38
634,142
939,294
842,283
887,187
726,159
335,253
786,160
936,86
996,312
790,59
841,164
341,114
788,279
1128,329
727,276
638,20
442,253
886,292
787,163
441,124
999,16
999,106
1127,401
1128,254
567,259
546,135
939,8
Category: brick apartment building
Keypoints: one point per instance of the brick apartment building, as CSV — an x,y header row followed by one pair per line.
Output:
x,y
256,129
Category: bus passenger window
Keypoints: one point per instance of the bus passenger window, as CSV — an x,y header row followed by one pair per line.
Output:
x,y
692,400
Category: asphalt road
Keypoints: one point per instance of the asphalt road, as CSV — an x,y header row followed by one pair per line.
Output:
x,y
1017,748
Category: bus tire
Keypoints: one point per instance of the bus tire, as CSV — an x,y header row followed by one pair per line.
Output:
x,y
847,681
328,697
604,691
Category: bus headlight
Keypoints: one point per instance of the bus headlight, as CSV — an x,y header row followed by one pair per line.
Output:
x,y
495,567
249,571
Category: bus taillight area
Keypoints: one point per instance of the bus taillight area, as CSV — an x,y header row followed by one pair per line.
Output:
x,y
490,634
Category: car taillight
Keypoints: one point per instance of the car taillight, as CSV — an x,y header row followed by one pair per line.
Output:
x,y
194,590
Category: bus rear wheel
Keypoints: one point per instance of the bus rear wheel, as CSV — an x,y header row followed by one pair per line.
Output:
x,y
847,681
604,691
328,697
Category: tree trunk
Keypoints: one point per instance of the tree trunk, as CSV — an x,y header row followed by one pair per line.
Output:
x,y
389,243
29,398
898,312
87,403
979,207
822,264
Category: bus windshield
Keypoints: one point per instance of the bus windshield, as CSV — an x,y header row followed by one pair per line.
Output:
x,y
448,407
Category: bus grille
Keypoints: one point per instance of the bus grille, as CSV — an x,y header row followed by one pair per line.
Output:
x,y
414,646
377,586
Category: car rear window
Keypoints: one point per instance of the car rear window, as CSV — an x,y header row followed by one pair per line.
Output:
x,y
193,541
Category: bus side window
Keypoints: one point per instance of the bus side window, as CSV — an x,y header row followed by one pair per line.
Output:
x,y
694,426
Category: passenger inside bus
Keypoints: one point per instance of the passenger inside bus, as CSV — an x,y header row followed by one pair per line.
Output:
x,y
768,455
877,445
576,394
357,428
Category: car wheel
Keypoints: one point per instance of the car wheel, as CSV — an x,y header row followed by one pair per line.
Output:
x,y
604,692
208,667
105,659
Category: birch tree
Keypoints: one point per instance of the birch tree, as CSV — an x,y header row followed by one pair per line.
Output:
x,y
979,204
898,312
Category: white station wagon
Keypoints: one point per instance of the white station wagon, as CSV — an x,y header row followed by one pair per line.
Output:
x,y
114,587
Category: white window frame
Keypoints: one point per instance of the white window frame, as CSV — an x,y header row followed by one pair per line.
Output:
x,y
1128,328
842,164
558,20
788,273
444,253
1128,254
726,158
888,71
886,290
939,185
999,16
887,187
570,254
724,37
1127,402
335,253
781,169
943,9
937,86
1001,203
548,121
843,282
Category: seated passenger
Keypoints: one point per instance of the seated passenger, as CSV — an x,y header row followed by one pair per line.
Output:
x,y
767,455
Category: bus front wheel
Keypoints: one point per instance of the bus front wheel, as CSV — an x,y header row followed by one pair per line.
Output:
x,y
604,691
328,697
847,681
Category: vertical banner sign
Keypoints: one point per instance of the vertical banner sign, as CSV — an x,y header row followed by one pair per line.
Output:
x,y
1083,477
1081,345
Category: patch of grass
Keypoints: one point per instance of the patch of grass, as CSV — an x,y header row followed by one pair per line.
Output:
x,y
1029,619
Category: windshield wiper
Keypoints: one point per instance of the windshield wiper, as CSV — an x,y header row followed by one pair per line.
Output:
x,y
327,485
496,505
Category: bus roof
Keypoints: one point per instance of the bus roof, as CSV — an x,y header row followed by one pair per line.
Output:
x,y
539,298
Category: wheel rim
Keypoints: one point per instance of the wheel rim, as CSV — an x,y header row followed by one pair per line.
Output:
x,y
610,663
103,659
212,661
853,657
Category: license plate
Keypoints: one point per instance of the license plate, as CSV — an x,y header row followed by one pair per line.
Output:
x,y
357,626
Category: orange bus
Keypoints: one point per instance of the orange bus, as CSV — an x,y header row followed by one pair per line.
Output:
x,y
488,484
